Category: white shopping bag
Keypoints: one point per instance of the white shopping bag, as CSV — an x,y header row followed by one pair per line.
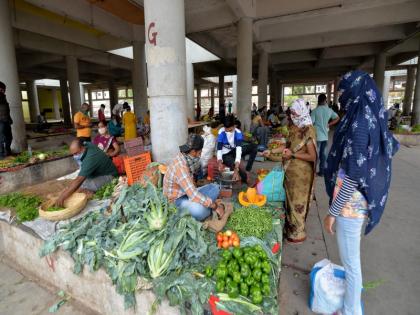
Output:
x,y
327,282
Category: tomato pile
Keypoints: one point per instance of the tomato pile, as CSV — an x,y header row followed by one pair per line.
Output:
x,y
227,239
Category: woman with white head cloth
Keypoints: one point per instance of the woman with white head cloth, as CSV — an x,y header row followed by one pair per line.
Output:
x,y
299,162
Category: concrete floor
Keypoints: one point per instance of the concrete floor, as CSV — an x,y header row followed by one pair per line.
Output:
x,y
20,295
390,253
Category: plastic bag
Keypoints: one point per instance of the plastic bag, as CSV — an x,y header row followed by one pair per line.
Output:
x,y
327,285
208,148
272,185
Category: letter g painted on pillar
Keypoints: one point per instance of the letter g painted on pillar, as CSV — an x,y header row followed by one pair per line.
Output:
x,y
152,35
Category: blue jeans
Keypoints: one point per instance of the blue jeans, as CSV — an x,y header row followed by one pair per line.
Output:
x,y
322,155
198,211
348,238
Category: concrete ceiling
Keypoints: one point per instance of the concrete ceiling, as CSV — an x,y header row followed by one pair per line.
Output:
x,y
304,38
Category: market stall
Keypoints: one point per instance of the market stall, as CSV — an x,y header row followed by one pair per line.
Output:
x,y
149,249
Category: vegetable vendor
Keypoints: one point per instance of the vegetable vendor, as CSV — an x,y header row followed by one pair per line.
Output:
x,y
179,187
96,169
230,150
105,141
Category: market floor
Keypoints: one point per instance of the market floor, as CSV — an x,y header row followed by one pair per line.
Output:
x,y
390,254
19,295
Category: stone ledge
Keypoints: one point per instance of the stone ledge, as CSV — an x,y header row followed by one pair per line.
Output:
x,y
95,290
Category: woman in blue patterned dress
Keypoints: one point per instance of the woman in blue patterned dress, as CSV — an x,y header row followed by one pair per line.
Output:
x,y
358,175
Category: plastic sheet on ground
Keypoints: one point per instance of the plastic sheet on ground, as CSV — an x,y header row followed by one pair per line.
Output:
x,y
69,176
45,228
6,216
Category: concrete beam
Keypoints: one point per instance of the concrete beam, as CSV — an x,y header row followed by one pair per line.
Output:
x,y
293,57
34,59
337,38
213,45
352,50
243,8
89,14
208,18
61,28
32,41
368,14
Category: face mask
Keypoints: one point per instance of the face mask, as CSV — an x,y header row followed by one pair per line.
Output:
x,y
229,133
295,120
78,158
102,131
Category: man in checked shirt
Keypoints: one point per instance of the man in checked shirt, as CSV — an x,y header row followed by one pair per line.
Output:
x,y
179,187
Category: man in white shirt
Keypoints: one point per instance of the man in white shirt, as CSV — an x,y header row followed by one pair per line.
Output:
x,y
230,150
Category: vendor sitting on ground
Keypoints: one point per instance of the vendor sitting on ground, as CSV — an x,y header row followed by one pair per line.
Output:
x,y
96,169
179,187
230,150
105,141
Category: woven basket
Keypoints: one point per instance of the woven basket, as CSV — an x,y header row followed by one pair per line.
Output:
x,y
72,206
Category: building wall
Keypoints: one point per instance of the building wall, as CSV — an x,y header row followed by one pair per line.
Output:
x,y
46,101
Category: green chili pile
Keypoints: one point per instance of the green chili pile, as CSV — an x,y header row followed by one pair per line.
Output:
x,y
251,221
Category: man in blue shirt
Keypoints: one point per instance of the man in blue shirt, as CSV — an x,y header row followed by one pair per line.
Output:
x,y
323,118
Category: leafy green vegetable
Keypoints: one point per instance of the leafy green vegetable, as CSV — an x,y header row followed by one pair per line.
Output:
x,y
125,245
55,208
107,190
26,206
251,221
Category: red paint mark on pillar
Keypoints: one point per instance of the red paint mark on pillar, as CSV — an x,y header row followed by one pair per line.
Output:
x,y
152,36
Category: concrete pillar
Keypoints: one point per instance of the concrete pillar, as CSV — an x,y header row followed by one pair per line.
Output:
x,y
166,65
329,88
65,105
385,91
139,74
113,94
379,70
262,78
198,110
335,94
89,100
190,91
32,100
9,76
221,90
280,94
212,97
74,84
409,88
415,119
56,105
234,94
244,71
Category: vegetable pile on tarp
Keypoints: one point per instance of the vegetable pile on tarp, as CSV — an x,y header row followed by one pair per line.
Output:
x,y
144,238
26,206
106,190
145,243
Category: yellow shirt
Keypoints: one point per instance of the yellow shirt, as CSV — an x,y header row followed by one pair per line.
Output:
x,y
82,120
130,124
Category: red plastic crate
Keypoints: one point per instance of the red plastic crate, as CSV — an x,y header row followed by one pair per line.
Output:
x,y
135,166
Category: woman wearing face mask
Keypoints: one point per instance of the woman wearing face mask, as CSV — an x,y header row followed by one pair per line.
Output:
x,y
358,176
299,162
105,141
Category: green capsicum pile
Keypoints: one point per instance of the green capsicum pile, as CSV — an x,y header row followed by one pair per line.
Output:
x,y
243,271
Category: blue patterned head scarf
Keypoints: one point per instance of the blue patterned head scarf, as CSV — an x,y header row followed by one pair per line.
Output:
x,y
363,146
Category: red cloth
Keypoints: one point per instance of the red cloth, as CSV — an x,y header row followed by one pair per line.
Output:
x,y
101,115
119,164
